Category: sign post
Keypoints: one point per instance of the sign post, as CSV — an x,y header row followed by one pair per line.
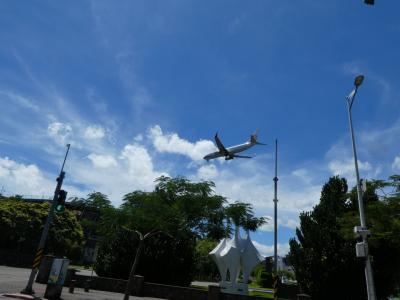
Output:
x,y
40,251
57,276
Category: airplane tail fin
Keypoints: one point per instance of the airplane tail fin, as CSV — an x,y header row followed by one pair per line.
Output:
x,y
253,138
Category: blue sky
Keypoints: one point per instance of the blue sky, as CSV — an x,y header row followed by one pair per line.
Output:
x,y
139,89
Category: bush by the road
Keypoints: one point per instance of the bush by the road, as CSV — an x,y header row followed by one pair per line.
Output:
x,y
22,222
264,279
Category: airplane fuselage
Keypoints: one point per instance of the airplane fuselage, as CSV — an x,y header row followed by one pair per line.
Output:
x,y
231,150
230,153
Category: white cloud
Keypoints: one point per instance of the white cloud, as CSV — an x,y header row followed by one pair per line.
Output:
x,y
303,174
285,222
266,250
340,159
19,178
98,104
132,170
207,172
60,132
380,144
21,101
245,181
102,161
118,169
172,143
376,148
91,164
139,162
346,167
94,132
291,224
383,85
139,138
140,95
269,227
396,164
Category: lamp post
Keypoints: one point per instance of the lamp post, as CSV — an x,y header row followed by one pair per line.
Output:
x,y
361,231
276,210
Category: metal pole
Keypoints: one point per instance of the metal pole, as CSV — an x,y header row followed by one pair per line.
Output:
x,y
368,268
276,210
40,250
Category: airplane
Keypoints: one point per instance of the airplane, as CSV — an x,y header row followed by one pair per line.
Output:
x,y
230,153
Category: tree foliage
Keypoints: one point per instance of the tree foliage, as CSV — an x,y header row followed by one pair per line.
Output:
x,y
323,255
90,210
264,279
95,201
184,212
241,214
205,267
21,225
383,220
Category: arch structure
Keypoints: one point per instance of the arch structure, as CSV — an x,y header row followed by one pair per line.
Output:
x,y
233,255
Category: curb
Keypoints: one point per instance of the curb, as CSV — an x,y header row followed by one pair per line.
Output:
x,y
21,296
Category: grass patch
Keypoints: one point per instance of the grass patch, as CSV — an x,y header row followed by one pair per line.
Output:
x,y
261,294
77,267
254,285
200,287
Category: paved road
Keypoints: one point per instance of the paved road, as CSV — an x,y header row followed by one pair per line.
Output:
x,y
13,280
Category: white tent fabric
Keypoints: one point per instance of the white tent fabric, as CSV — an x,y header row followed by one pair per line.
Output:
x,y
215,254
235,254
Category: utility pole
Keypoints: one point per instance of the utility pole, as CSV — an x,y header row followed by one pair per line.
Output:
x,y
40,250
361,231
276,210
131,279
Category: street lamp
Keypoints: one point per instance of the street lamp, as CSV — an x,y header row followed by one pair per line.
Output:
x,y
361,231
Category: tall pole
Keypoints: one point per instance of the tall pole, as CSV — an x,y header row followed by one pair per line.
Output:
x,y
131,279
363,232
353,142
40,250
276,209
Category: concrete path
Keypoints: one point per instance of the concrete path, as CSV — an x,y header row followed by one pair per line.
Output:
x,y
13,280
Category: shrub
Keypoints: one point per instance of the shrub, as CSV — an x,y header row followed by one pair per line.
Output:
x,y
264,279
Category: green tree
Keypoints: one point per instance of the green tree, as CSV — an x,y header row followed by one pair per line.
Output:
x,y
383,220
90,211
95,201
323,256
98,201
164,259
22,222
324,261
264,279
198,207
241,214
185,210
205,267
188,211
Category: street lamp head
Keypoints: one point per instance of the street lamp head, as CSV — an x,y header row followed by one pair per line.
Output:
x,y
358,81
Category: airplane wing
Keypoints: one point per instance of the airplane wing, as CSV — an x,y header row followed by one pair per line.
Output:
x,y
241,156
220,146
